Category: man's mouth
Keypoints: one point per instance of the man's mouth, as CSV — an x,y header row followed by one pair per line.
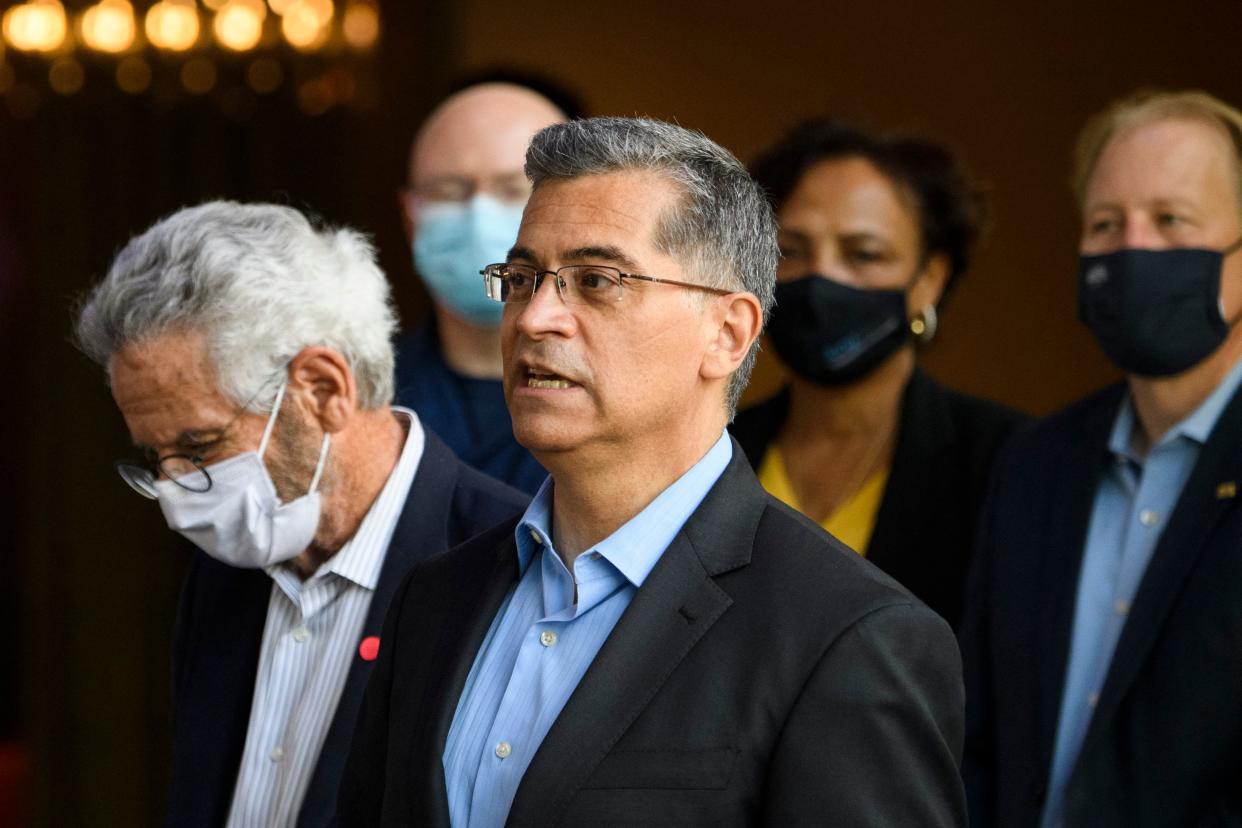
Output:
x,y
542,379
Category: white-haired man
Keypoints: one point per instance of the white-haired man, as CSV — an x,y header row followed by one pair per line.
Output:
x,y
657,641
461,207
249,353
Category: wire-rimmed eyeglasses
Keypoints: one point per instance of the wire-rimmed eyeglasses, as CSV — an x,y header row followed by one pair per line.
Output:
x,y
578,284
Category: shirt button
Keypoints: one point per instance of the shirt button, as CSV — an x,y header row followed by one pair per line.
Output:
x,y
277,754
1148,518
547,638
1093,699
301,634
534,535
1121,607
503,750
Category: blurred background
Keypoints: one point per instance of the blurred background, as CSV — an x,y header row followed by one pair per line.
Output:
x,y
114,113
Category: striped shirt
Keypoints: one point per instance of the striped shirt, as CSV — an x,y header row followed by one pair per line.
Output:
x,y
309,639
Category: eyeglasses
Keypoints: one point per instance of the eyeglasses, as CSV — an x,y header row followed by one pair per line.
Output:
x,y
597,285
511,188
188,471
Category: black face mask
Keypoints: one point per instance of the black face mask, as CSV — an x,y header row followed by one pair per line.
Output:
x,y
1155,313
830,333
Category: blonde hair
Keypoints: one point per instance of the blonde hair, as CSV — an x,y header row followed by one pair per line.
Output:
x,y
1149,107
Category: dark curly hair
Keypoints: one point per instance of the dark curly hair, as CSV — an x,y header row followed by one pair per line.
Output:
x,y
951,206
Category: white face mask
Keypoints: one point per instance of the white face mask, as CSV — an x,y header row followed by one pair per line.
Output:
x,y
240,521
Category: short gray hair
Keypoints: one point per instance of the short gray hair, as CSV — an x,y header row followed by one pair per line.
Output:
x,y
261,283
723,229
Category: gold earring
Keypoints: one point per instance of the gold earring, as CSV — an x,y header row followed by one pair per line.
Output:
x,y
924,324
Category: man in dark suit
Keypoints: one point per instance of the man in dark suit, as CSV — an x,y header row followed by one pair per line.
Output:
x,y
1103,637
250,355
656,640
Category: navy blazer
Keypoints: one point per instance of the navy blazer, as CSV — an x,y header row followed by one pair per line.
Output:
x,y
220,629
763,673
1164,747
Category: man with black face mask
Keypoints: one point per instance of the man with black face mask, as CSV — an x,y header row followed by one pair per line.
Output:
x,y
1103,638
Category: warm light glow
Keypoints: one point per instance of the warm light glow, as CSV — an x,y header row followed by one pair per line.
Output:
x,y
133,75
214,5
361,25
280,6
198,76
65,76
38,26
173,25
239,24
108,26
303,26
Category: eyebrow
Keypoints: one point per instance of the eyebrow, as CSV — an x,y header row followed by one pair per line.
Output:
x,y
189,435
606,253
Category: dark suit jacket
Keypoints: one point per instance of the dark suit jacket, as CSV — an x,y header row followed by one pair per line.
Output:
x,y
763,674
220,630
925,528
1165,743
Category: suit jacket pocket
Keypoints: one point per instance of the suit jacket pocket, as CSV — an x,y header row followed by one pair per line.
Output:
x,y
664,770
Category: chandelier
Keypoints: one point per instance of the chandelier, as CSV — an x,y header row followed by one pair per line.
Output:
x,y
171,49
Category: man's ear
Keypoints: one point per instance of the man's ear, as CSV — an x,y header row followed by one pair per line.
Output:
x,y
736,321
321,379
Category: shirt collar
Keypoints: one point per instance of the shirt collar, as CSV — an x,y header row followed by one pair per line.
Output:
x,y
1196,426
636,547
362,557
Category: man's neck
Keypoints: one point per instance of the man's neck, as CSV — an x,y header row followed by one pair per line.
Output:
x,y
594,497
364,460
1161,403
470,350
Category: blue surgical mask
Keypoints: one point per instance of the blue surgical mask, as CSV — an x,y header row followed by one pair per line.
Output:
x,y
454,241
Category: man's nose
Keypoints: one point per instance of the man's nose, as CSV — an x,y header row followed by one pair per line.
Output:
x,y
546,312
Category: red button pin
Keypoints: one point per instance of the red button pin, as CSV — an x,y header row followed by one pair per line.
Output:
x,y
369,648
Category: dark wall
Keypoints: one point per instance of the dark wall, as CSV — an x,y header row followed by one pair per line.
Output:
x,y
1006,84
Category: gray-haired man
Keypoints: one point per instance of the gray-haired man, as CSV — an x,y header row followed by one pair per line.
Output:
x,y
656,640
250,355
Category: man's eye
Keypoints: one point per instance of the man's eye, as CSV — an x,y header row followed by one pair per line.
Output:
x,y
517,280
1168,219
594,280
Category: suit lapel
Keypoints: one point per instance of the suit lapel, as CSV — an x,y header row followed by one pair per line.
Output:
x,y
214,709
420,532
471,603
1077,478
1199,510
677,604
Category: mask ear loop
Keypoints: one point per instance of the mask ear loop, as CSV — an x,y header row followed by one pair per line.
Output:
x,y
319,467
271,420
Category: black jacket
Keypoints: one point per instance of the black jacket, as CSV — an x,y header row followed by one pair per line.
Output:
x,y
220,630
925,528
1164,747
763,674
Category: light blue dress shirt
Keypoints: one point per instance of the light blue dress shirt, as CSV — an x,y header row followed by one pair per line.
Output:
x,y
1133,503
541,642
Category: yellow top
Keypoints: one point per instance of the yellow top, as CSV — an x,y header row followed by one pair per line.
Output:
x,y
852,522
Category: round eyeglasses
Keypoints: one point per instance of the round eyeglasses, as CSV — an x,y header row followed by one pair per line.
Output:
x,y
597,285
186,470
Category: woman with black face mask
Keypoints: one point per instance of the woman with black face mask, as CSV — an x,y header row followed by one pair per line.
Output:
x,y
874,231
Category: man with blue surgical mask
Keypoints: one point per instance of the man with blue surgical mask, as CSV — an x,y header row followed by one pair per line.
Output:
x,y
1103,634
461,209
